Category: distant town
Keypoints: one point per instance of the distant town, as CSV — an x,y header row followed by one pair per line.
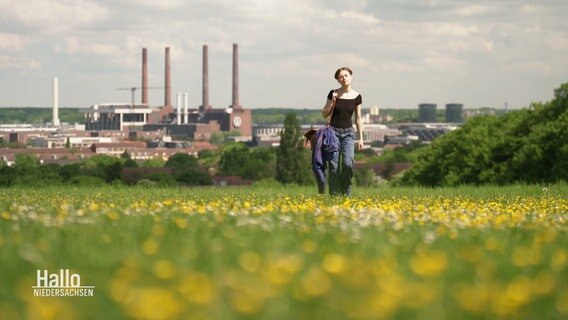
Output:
x,y
145,132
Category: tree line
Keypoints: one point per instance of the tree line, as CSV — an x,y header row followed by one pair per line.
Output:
x,y
527,146
39,115
524,146
179,169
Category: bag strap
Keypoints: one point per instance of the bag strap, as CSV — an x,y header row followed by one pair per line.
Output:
x,y
331,111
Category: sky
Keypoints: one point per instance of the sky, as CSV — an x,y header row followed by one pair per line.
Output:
x,y
484,53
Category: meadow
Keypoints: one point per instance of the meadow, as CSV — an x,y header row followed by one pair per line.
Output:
x,y
288,253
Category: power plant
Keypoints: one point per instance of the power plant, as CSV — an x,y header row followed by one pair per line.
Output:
x,y
181,122
162,130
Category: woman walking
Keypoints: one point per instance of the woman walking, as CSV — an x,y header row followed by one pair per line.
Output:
x,y
341,104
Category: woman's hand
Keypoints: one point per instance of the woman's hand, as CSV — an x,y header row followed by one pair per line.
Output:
x,y
334,96
326,111
360,145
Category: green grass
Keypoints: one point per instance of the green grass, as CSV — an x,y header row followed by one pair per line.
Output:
x,y
288,253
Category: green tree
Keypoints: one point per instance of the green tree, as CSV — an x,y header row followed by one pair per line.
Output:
x,y
25,162
182,161
217,138
234,158
8,175
522,146
104,167
463,156
400,154
49,174
209,159
292,158
68,171
113,172
262,164
155,162
388,169
99,161
187,170
129,163
240,160
365,177
193,178
26,169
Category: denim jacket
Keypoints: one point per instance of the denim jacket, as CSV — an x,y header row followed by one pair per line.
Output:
x,y
326,144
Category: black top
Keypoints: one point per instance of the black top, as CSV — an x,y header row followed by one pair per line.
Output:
x,y
343,111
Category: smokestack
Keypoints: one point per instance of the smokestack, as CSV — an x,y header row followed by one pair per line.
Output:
x,y
55,121
144,76
185,108
178,113
205,104
235,76
168,93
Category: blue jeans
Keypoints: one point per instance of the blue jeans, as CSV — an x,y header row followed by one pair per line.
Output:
x,y
340,175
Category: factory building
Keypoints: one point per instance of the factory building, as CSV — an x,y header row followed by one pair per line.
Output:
x,y
181,122
118,116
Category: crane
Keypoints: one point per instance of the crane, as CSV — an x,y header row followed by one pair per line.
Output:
x,y
133,91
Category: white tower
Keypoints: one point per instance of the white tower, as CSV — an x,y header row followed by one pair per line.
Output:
x,y
185,108
55,121
178,113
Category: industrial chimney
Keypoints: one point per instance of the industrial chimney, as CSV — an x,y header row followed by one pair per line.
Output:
x,y
144,76
168,97
235,104
178,107
55,121
205,84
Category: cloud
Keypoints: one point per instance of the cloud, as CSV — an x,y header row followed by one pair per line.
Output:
x,y
291,46
76,46
161,4
22,64
13,41
53,16
441,29
398,67
472,10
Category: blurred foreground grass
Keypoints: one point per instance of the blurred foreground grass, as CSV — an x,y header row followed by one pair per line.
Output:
x,y
288,253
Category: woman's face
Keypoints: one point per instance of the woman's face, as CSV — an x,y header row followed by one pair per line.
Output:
x,y
344,77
